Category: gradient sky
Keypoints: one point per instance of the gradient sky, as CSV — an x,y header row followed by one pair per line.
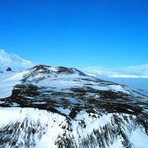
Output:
x,y
76,33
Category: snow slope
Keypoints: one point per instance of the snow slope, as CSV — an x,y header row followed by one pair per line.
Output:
x,y
8,80
13,61
60,107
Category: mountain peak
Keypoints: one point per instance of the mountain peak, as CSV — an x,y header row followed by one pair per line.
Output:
x,y
55,70
13,61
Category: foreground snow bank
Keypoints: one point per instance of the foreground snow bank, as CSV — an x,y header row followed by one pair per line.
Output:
x,y
41,127
34,128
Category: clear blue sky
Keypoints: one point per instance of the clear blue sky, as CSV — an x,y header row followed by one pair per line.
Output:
x,y
76,33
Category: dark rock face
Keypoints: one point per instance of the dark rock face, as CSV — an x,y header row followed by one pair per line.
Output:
x,y
127,110
8,69
109,101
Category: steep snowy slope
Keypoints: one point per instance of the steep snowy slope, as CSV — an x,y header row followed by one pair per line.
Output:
x,y
13,61
8,80
59,107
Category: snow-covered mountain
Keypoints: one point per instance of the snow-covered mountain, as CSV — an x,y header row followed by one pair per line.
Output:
x,y
13,61
140,71
60,107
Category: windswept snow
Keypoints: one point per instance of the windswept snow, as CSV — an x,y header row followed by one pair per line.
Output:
x,y
8,80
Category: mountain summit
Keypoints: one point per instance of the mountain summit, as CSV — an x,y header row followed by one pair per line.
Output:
x,y
13,61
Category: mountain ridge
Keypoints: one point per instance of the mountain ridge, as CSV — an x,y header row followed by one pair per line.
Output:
x,y
61,107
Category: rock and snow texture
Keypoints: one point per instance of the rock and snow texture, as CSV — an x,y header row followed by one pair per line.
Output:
x,y
13,61
59,107
34,128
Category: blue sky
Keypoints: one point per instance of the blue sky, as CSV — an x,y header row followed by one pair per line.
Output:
x,y
76,33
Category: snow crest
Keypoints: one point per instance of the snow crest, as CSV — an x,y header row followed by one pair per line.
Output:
x,y
13,61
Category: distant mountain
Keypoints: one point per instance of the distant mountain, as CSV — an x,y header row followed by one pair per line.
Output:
x,y
13,61
140,71
60,107
133,76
